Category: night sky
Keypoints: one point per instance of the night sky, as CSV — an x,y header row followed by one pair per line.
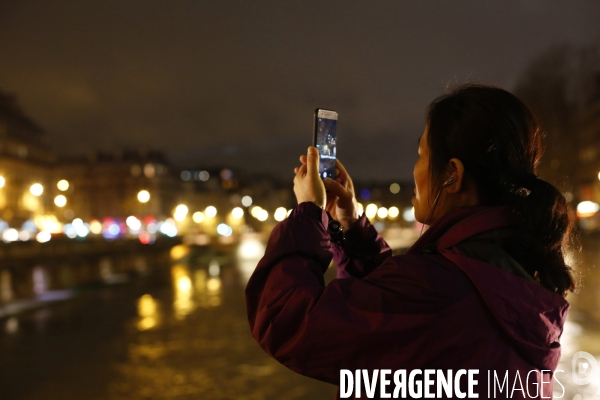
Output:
x,y
235,83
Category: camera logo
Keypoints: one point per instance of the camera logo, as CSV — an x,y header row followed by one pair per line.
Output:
x,y
579,368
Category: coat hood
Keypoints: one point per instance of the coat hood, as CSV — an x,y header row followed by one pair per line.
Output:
x,y
531,315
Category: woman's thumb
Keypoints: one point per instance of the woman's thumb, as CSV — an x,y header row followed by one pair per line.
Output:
x,y
312,161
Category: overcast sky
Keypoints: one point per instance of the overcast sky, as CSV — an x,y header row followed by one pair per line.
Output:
x,y
235,83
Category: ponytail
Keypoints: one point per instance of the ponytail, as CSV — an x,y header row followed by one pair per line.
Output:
x,y
498,140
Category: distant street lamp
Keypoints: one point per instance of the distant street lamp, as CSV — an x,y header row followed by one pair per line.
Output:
x,y
180,212
36,189
143,196
2,181
60,200
62,185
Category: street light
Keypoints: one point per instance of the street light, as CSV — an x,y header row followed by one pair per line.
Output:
x,y
62,185
36,189
60,200
143,196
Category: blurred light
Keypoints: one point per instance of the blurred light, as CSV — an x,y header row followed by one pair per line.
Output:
x,y
133,223
143,196
568,196
409,214
246,201
96,227
145,237
149,170
393,212
43,237
36,189
360,207
70,231
152,227
47,223
114,229
77,222
214,268
198,217
2,181
203,175
168,228
371,211
179,251
289,212
226,174
213,284
184,284
210,211
185,175
258,213
599,175
280,214
10,235
237,213
394,188
24,235
587,209
224,230
147,309
382,212
251,250
12,325
82,230
180,212
63,185
60,200
365,194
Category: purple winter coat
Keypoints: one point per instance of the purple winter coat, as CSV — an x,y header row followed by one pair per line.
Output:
x,y
450,302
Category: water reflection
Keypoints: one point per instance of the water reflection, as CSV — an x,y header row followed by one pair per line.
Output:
x,y
183,304
148,311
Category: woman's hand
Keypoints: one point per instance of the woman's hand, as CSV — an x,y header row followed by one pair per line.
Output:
x,y
308,185
341,201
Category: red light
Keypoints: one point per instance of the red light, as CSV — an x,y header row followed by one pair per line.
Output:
x,y
144,237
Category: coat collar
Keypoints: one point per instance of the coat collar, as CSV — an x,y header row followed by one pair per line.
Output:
x,y
460,224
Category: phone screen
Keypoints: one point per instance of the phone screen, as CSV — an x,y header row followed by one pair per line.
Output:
x,y
325,141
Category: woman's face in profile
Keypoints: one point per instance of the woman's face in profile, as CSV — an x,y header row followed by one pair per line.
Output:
x,y
421,174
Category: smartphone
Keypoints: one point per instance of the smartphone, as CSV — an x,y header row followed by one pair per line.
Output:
x,y
325,140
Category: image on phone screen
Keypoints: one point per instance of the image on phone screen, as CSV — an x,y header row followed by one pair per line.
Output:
x,y
325,141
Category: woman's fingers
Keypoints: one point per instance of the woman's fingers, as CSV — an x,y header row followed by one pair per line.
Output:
x,y
336,188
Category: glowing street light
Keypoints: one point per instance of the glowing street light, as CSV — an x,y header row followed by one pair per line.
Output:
x,y
180,212
2,181
198,217
210,211
280,214
371,211
393,212
587,209
382,212
62,185
36,189
60,200
237,213
143,196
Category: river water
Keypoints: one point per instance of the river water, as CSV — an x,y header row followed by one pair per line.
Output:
x,y
183,334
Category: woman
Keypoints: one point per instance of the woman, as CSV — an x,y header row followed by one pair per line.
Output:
x,y
483,288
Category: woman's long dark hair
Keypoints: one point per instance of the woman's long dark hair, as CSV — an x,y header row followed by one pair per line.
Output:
x,y
499,142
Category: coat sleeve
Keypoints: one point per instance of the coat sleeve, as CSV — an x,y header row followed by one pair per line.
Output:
x,y
363,250
316,330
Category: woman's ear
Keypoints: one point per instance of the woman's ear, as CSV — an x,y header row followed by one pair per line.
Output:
x,y
455,169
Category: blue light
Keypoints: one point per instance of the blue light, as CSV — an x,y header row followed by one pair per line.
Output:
x,y
365,194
